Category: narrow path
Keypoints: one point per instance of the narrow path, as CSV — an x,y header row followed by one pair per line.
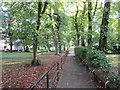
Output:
x,y
75,75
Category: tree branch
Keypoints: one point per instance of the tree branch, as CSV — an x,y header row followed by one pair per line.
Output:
x,y
45,6
95,9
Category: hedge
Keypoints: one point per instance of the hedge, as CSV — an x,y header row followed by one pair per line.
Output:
x,y
97,59
93,58
81,52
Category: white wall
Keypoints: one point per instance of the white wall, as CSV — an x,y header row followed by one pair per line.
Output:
x,y
2,44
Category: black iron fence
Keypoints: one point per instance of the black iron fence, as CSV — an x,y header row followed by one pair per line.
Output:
x,y
50,82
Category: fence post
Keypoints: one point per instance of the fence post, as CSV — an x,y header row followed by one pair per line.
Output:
x,y
58,71
47,81
87,68
61,63
94,75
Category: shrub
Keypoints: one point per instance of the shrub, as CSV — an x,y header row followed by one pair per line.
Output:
x,y
94,58
81,51
97,59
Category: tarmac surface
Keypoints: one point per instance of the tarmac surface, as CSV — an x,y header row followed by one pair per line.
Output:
x,y
75,74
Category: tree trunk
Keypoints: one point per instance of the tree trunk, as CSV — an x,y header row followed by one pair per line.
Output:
x,y
10,33
64,47
82,27
56,48
55,41
47,43
60,48
104,27
58,31
90,23
34,51
59,41
48,46
76,27
119,35
11,44
82,42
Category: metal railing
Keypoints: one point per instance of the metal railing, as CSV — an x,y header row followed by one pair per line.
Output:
x,y
59,66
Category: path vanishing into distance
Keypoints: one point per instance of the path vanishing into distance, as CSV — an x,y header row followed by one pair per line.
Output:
x,y
75,74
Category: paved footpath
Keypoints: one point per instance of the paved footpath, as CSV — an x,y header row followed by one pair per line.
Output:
x,y
75,75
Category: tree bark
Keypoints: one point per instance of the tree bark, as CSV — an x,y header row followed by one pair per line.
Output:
x,y
76,27
104,27
59,37
47,43
64,47
82,27
11,44
119,35
55,41
34,51
37,28
90,23
59,40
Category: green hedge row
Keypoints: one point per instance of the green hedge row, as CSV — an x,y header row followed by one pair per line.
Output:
x,y
81,51
93,58
98,60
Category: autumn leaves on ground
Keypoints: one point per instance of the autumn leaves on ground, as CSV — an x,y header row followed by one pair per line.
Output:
x,y
18,73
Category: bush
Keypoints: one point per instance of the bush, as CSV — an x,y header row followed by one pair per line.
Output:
x,y
81,51
97,59
94,58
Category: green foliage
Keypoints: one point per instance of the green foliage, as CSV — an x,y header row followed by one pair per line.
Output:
x,y
97,59
93,58
81,51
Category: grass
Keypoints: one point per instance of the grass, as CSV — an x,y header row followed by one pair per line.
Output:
x,y
12,61
114,59
21,58
15,54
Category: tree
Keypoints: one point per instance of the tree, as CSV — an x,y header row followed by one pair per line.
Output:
x,y
104,26
82,26
90,20
8,25
90,23
41,10
76,26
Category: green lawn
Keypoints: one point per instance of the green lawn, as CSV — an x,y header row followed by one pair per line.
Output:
x,y
13,61
21,58
114,59
15,54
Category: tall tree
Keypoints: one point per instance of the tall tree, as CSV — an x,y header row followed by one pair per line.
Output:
x,y
8,33
119,33
76,26
104,26
90,20
89,23
58,20
81,25
41,10
52,16
119,24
